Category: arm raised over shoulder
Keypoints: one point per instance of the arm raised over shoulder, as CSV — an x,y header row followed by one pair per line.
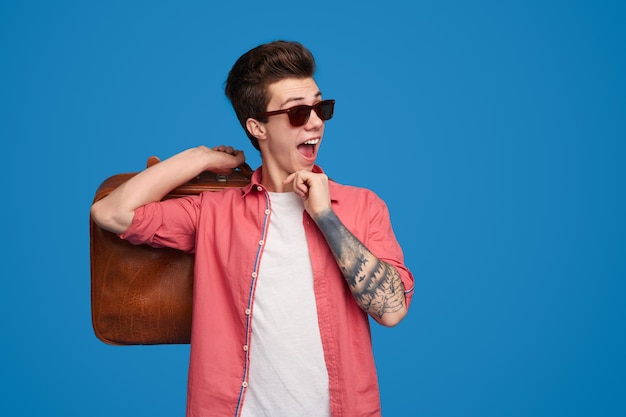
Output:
x,y
115,212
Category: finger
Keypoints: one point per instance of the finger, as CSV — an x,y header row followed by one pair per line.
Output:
x,y
298,184
303,187
300,192
226,149
289,178
240,156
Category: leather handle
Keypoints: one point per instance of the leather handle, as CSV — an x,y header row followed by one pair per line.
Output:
x,y
244,167
153,160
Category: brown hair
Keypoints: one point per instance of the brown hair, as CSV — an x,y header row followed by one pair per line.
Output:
x,y
247,82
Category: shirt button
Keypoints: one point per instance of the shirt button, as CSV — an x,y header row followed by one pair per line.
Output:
x,y
267,211
244,384
259,188
247,311
254,275
260,243
245,348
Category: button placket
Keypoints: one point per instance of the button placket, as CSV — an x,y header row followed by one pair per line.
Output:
x,y
254,275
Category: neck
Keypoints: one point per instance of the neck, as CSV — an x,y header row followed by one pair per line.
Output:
x,y
272,180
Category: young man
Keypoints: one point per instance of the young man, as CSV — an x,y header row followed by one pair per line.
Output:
x,y
288,269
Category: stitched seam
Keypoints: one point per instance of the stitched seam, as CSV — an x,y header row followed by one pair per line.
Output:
x,y
257,260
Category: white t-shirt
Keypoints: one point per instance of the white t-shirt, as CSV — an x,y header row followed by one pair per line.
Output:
x,y
288,375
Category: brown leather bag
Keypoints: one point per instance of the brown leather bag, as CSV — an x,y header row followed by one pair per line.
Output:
x,y
141,295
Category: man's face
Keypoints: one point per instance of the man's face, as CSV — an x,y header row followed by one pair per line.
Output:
x,y
288,148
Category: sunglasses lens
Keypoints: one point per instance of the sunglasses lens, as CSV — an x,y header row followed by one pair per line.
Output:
x,y
324,109
299,115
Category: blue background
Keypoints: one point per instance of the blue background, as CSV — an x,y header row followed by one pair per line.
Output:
x,y
494,130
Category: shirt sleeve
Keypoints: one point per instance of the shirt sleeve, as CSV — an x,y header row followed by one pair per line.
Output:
x,y
170,223
382,242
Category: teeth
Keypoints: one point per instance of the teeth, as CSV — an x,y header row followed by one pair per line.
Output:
x,y
312,142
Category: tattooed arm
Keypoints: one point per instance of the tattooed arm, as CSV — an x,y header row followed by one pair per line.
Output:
x,y
375,284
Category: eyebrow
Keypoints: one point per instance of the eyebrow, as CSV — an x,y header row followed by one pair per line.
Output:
x,y
289,100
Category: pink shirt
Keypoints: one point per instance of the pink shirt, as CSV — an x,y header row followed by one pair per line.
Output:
x,y
227,231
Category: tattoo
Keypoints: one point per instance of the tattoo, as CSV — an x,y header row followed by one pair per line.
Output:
x,y
376,285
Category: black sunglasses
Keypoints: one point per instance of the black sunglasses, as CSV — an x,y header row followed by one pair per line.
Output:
x,y
299,115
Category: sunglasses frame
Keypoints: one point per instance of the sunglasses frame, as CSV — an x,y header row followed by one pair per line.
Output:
x,y
317,107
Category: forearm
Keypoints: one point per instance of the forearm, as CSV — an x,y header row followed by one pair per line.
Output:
x,y
375,284
115,212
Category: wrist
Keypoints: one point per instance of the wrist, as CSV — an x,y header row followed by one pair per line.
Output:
x,y
325,218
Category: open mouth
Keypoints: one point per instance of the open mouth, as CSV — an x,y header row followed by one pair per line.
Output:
x,y
307,149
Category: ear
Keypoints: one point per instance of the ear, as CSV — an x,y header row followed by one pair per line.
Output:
x,y
256,128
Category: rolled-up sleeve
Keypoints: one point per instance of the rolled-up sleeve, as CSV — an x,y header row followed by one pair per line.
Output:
x,y
170,223
366,215
382,242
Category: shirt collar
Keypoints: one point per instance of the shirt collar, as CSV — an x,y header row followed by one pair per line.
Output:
x,y
255,183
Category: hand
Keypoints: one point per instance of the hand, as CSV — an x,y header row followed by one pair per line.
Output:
x,y
225,159
313,188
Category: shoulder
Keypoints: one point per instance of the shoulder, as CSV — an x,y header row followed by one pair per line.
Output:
x,y
231,193
352,194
